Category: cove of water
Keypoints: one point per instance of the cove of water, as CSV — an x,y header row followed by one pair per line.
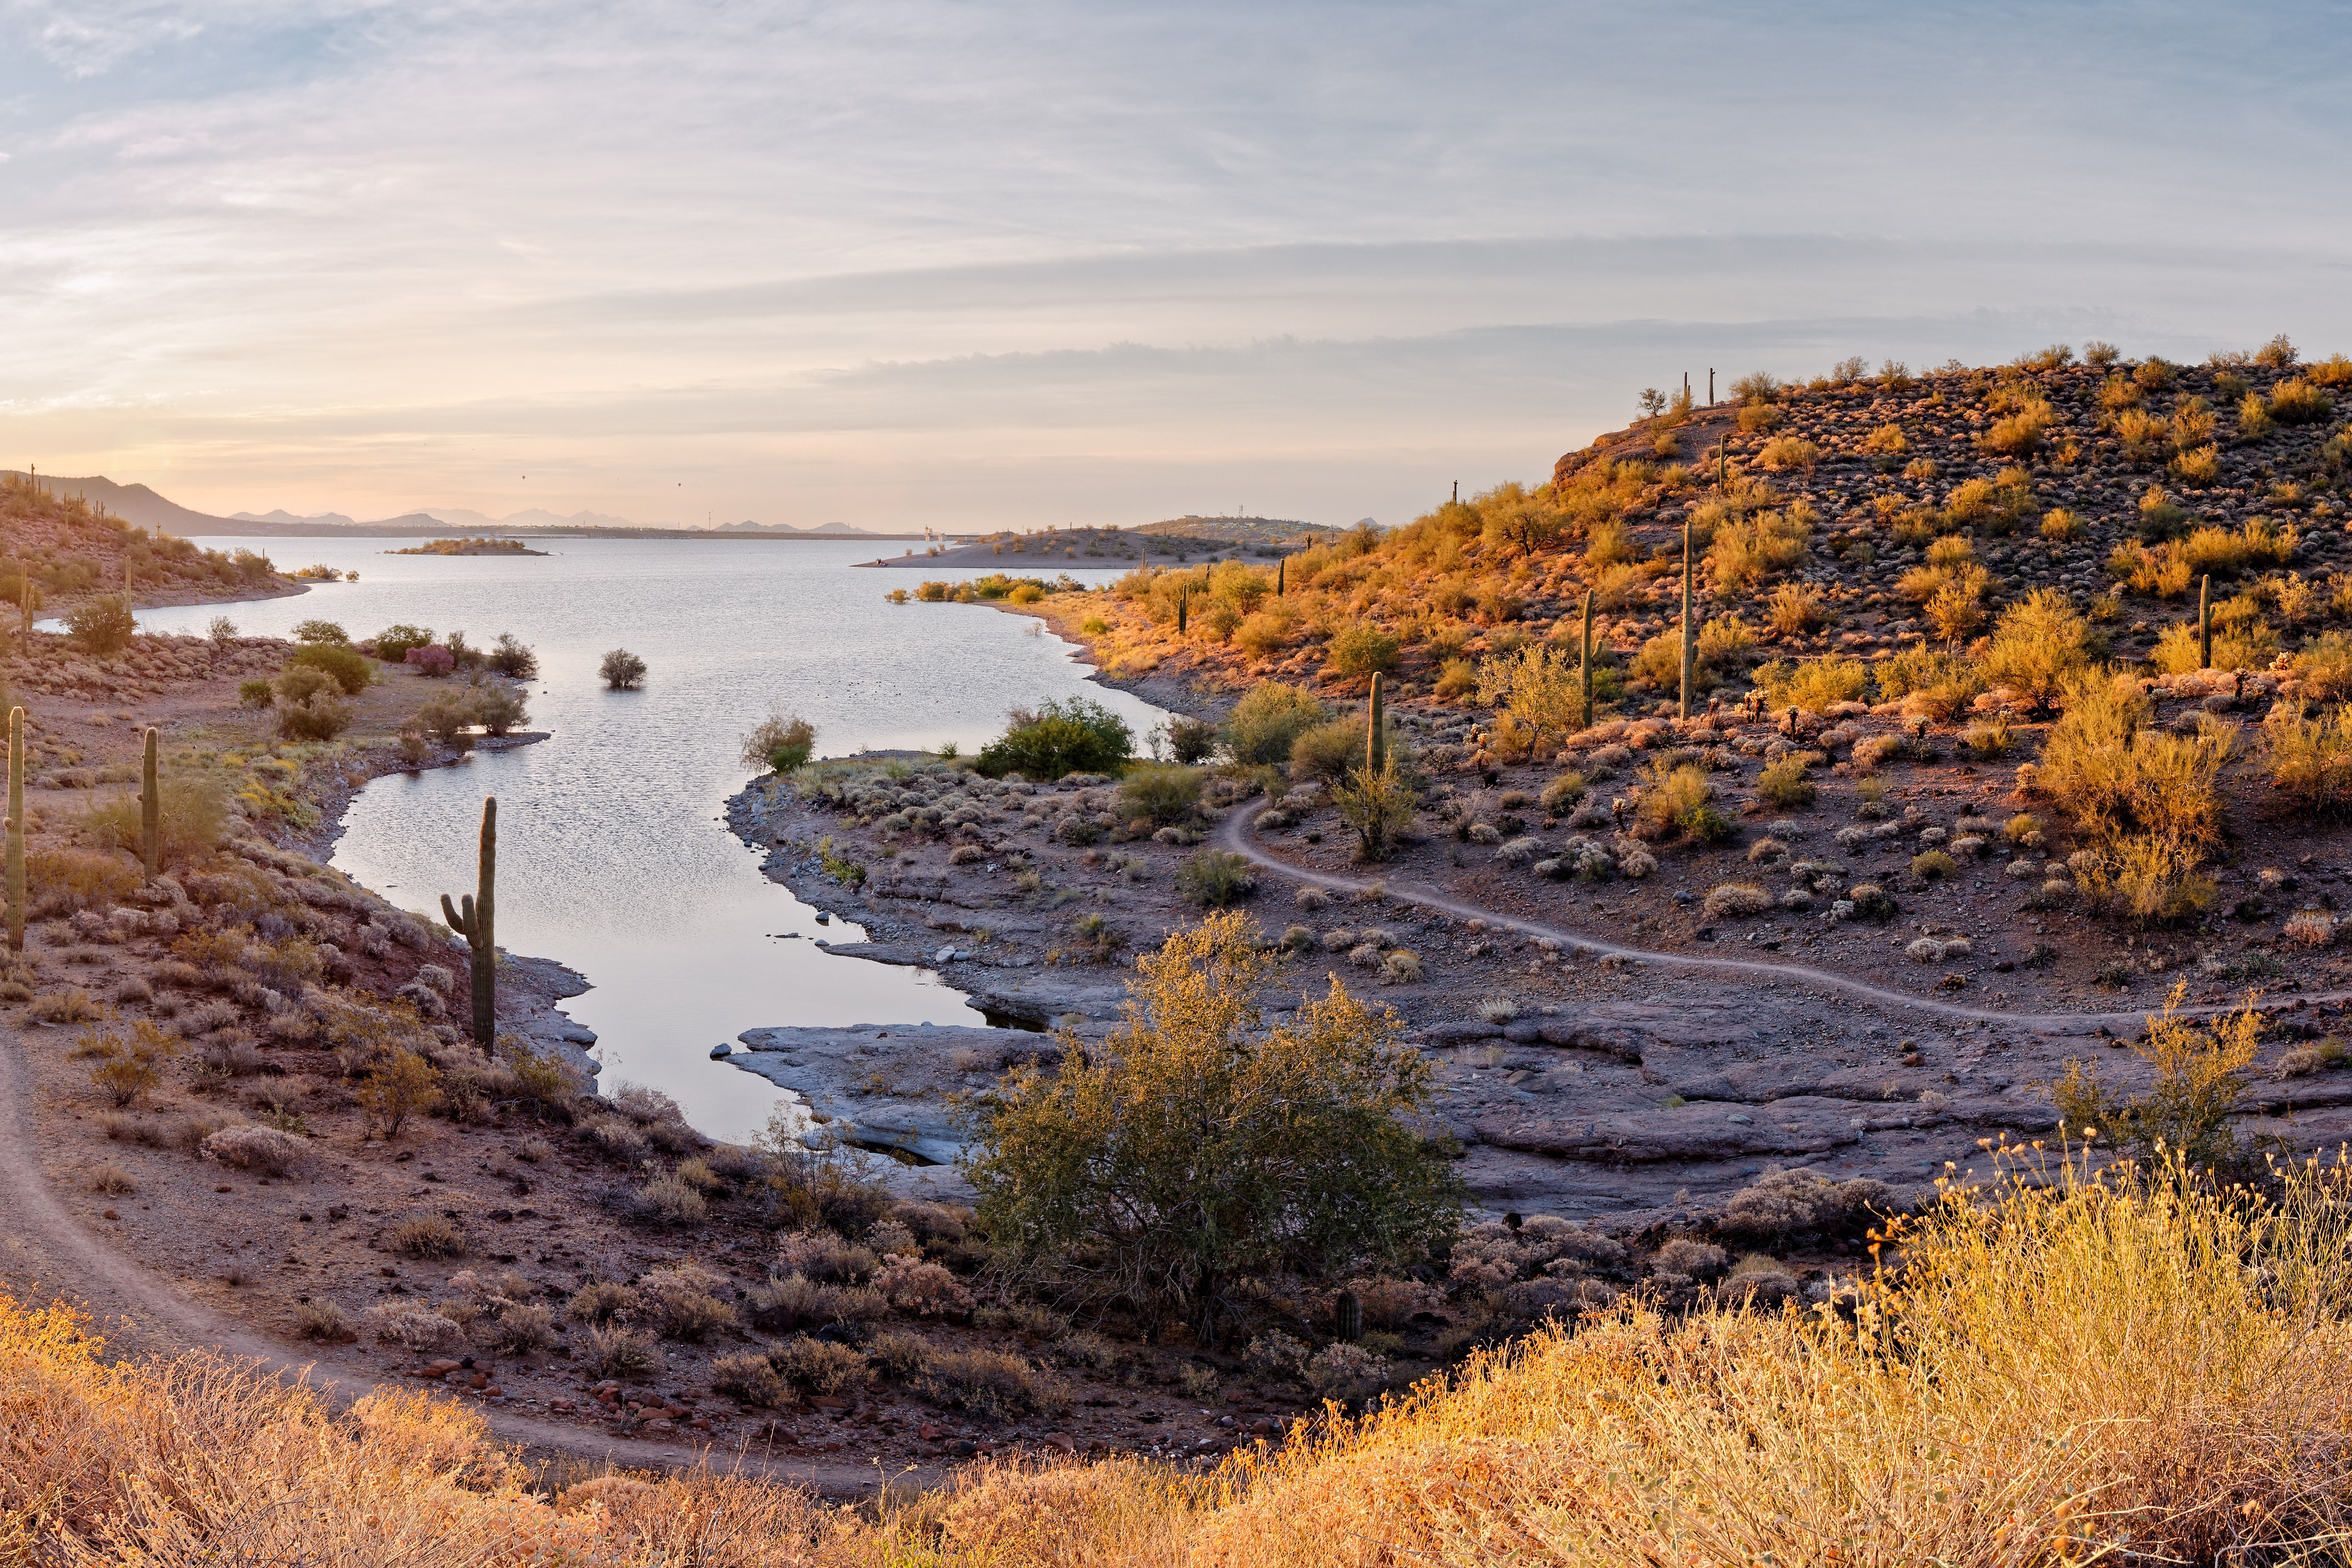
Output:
x,y
614,853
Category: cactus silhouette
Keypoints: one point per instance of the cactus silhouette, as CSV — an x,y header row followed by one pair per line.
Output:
x,y
151,812
15,830
473,922
1584,670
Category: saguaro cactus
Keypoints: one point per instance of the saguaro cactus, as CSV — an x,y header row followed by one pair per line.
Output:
x,y
1279,567
1584,670
15,830
473,922
1373,749
1690,645
2205,622
1184,606
151,812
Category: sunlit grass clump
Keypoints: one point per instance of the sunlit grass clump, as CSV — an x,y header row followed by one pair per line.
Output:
x,y
2058,1368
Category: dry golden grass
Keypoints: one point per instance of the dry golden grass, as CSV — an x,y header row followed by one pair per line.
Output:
x,y
2063,1368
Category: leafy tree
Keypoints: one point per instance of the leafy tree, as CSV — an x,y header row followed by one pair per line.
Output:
x,y
102,625
782,741
621,670
1540,687
1200,1147
393,643
1075,735
1269,720
1378,804
512,659
318,633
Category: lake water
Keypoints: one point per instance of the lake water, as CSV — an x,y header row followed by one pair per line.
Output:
x,y
614,856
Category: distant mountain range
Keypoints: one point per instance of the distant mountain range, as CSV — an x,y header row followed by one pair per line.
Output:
x,y
533,519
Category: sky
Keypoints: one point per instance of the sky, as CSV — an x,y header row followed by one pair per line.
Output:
x,y
966,265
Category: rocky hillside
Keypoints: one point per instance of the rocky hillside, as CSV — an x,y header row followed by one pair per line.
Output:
x,y
73,550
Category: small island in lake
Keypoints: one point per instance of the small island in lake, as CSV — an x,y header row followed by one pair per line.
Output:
x,y
469,546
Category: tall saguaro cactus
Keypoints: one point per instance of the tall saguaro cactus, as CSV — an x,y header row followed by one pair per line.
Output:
x,y
151,812
1374,750
473,922
1584,670
2205,622
15,830
1279,567
1690,649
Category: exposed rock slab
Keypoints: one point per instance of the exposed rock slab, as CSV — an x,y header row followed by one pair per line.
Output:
x,y
888,1086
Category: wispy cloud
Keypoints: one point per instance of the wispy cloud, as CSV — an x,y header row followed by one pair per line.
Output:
x,y
809,258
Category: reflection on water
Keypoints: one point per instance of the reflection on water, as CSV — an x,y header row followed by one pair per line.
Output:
x,y
614,854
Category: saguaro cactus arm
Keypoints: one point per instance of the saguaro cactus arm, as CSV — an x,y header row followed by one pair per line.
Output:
x,y
471,917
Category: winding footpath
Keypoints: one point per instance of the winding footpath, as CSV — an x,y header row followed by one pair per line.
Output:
x,y
45,1254
1235,836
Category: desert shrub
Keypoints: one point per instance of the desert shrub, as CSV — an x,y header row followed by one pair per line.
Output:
x,y
2247,645
750,1380
393,643
321,1321
679,1301
1540,687
510,658
1146,1170
2311,760
2298,402
1671,799
1689,1256
925,1289
1784,783
601,1301
1748,550
335,660
102,625
1071,735
1785,453
2117,779
2062,526
425,1236
410,1328
1213,879
1165,793
317,632
2038,645
1378,805
1933,865
68,1005
402,1084
621,670
665,1200
1813,684
2324,665
616,1352
1782,1204
1191,741
194,816
316,718
1362,649
1727,899
780,742
1268,721
1350,1373
2162,572
989,1383
265,1149
821,1367
1562,794
2199,1072
520,1328
1329,751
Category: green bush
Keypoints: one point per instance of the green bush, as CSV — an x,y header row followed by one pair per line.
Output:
x,y
393,643
1362,649
102,625
1784,784
621,670
1813,684
1328,752
780,742
1164,791
256,694
1268,721
1191,740
1562,792
1202,1151
300,682
513,660
1075,735
1213,879
337,662
318,633
317,718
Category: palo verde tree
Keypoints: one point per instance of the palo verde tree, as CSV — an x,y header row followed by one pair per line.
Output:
x,y
1198,1147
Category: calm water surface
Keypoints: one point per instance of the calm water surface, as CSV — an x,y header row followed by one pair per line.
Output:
x,y
614,856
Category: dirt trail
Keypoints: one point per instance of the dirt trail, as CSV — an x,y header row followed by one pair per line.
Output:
x,y
1235,836
46,1255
